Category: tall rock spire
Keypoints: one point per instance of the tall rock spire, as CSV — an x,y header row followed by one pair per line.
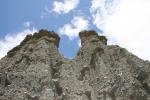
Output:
x,y
30,67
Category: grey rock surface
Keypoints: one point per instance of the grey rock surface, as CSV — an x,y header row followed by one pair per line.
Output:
x,y
35,70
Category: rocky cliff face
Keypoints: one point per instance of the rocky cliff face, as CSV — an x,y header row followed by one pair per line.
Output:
x,y
35,70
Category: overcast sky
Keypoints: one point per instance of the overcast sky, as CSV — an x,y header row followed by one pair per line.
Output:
x,y
124,22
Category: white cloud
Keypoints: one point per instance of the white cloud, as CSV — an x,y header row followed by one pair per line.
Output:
x,y
129,25
72,29
27,24
13,39
65,7
101,10
79,43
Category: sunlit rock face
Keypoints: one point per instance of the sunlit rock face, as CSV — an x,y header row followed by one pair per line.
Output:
x,y
35,70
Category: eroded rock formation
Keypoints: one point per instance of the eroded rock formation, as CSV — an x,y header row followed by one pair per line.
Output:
x,y
35,70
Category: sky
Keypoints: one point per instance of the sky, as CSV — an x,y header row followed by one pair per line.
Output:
x,y
124,22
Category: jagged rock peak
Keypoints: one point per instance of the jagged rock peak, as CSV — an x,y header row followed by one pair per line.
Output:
x,y
91,36
50,36
53,37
